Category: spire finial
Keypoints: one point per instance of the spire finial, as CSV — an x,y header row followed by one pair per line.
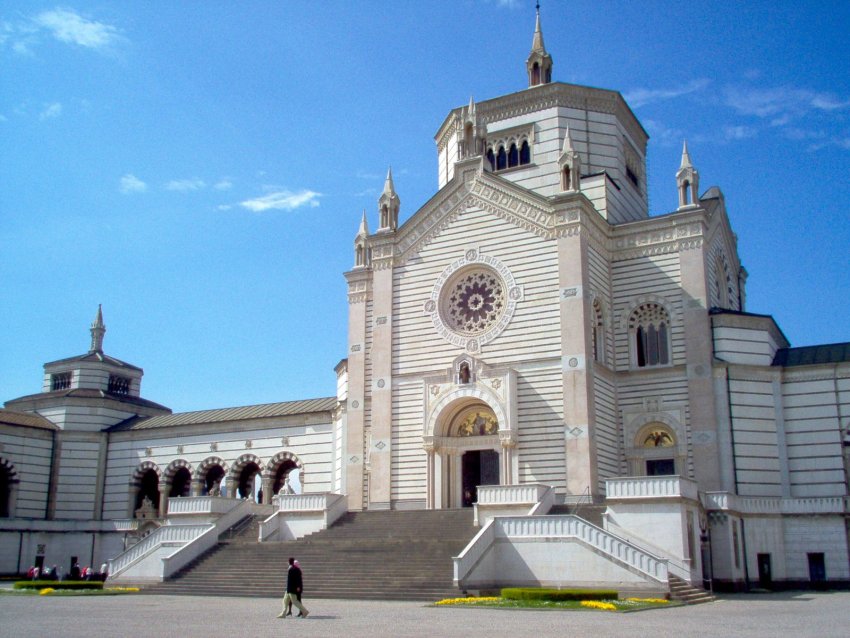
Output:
x,y
389,187
364,227
97,331
686,157
539,62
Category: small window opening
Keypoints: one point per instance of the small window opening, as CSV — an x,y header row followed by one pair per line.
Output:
x,y
525,153
118,385
491,158
501,159
513,156
60,381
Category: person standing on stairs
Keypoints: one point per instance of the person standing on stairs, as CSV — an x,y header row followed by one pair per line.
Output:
x,y
294,587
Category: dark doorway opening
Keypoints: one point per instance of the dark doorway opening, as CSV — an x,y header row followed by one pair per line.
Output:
x,y
148,488
282,474
246,480
479,467
765,577
817,569
180,483
213,479
660,467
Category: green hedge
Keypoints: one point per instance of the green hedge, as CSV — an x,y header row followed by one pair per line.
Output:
x,y
541,593
58,584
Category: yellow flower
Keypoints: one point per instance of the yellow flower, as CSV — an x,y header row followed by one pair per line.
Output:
x,y
659,601
45,591
598,604
471,600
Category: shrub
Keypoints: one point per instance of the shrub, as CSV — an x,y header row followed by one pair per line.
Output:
x,y
541,593
60,584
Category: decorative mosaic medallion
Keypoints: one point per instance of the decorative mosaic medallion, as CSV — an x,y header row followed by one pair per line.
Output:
x,y
473,300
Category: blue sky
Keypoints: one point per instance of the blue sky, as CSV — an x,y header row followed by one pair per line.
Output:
x,y
200,168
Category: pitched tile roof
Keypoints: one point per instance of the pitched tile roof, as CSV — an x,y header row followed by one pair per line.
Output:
x,y
265,410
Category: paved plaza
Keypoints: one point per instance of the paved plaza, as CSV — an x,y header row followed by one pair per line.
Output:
x,y
793,614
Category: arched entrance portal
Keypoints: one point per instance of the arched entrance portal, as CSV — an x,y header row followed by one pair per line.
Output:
x,y
282,477
180,483
248,483
466,454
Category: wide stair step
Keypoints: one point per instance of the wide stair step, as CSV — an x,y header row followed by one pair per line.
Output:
x,y
387,555
682,591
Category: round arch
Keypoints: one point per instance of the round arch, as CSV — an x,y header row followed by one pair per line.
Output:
x,y
8,486
656,446
178,477
210,475
144,490
447,406
244,476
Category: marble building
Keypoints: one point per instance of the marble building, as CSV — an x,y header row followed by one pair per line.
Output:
x,y
531,325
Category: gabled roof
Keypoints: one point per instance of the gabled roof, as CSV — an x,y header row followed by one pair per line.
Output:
x,y
89,393
265,410
813,355
25,420
98,357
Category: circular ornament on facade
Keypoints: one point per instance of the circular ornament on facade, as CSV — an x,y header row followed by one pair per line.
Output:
x,y
473,300
381,383
355,404
573,362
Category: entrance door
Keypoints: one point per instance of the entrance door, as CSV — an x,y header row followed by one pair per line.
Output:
x,y
480,467
765,578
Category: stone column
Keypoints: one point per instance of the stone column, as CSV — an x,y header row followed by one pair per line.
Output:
x,y
507,441
163,499
359,284
579,426
267,485
380,453
196,486
428,445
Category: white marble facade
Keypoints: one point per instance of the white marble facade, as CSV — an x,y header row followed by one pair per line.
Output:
x,y
531,324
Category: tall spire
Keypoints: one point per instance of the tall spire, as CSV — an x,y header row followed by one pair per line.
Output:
x,y
388,205
364,227
97,331
686,157
687,181
539,62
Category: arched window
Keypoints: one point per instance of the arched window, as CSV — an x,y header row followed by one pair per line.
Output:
x,y
513,156
535,74
8,479
649,328
659,465
597,332
565,179
491,158
501,159
181,483
686,193
525,153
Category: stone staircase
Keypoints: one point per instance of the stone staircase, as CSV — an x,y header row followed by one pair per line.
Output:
x,y
383,555
590,513
684,592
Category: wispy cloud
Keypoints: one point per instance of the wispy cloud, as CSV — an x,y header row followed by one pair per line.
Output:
x,y
68,26
781,104
131,184
50,111
62,24
185,185
738,132
223,185
641,96
282,200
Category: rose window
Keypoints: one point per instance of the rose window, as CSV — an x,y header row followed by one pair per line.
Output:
x,y
474,302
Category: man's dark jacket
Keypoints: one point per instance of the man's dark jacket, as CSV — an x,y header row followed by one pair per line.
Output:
x,y
294,584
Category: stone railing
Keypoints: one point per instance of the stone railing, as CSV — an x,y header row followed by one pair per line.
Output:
x,y
541,528
511,500
300,514
675,566
650,487
206,540
200,505
165,535
527,493
774,505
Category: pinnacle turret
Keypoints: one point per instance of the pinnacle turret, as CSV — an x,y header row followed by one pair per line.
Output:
x,y
97,331
539,62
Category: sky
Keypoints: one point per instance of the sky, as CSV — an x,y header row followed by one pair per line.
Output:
x,y
200,168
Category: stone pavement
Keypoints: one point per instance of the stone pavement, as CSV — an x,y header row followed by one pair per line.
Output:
x,y
794,614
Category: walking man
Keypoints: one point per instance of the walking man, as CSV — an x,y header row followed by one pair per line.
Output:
x,y
294,587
